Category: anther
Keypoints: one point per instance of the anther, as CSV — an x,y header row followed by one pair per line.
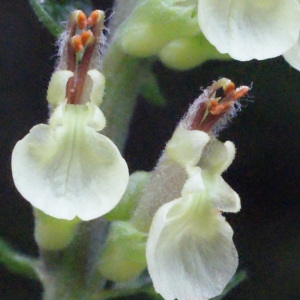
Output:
x,y
240,92
229,88
77,43
219,108
86,37
93,18
81,20
212,104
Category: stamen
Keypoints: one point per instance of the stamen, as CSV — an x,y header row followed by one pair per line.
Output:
x,y
240,92
215,108
80,51
207,110
81,20
94,18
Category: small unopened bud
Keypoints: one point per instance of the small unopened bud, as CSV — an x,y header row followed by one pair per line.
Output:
x,y
51,233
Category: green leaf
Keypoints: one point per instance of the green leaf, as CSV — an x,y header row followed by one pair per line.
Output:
x,y
45,18
18,263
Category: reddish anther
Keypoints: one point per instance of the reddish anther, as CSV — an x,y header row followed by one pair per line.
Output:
x,y
207,110
93,18
219,108
212,104
240,92
77,43
229,88
81,20
86,37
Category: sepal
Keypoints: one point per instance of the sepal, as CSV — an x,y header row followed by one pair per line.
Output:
x,y
129,201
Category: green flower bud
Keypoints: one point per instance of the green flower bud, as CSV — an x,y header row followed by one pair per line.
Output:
x,y
51,233
128,203
123,256
188,52
154,23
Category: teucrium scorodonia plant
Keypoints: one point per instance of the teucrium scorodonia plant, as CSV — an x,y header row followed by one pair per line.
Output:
x,y
92,222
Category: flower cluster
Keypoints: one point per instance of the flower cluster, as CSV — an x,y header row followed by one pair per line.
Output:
x,y
171,220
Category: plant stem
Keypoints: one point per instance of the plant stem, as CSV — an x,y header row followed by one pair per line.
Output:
x,y
122,85
72,273
121,73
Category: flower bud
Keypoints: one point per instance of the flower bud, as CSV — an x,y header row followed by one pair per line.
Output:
x,y
154,23
188,52
51,233
123,256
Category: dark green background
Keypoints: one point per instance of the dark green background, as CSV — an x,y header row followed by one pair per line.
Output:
x,y
265,172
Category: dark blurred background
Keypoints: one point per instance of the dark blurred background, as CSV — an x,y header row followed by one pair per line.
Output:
x,y
265,172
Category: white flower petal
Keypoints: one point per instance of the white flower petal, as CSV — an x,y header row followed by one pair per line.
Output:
x,y
185,147
67,169
194,183
217,156
293,56
190,255
57,87
245,30
97,92
220,193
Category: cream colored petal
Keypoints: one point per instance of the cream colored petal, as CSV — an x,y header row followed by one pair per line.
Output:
x,y
69,169
194,183
97,92
217,156
56,93
220,193
190,253
185,147
250,29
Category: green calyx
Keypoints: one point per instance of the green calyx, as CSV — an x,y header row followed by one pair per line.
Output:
x,y
51,233
129,201
123,256
188,52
